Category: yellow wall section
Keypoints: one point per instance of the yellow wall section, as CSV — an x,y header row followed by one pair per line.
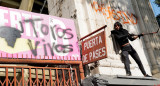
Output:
x,y
20,45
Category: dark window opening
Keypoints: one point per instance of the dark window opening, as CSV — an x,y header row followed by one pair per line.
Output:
x,y
39,5
10,3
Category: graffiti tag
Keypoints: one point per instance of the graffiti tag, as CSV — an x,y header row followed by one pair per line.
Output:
x,y
127,17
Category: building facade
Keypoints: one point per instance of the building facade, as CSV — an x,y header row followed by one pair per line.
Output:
x,y
89,15
135,15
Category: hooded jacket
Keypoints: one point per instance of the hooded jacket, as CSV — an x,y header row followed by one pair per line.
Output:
x,y
122,36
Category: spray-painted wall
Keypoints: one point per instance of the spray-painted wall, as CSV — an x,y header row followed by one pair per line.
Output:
x,y
90,15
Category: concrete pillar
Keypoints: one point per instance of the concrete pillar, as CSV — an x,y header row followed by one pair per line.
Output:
x,y
26,5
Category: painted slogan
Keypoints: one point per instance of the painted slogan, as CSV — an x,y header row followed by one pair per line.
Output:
x,y
31,35
94,49
114,12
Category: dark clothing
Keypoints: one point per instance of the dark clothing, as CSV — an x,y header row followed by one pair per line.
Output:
x,y
122,37
134,55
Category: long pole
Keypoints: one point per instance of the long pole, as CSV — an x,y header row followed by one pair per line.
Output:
x,y
151,32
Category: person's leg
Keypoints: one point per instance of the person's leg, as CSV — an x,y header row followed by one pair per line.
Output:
x,y
126,62
135,56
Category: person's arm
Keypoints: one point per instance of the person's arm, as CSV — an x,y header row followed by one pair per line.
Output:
x,y
119,37
132,37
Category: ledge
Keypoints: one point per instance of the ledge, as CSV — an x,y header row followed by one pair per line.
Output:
x,y
123,80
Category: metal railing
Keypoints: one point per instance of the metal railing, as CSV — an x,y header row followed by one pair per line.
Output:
x,y
37,76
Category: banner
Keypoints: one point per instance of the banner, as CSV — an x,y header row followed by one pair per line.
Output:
x,y
30,35
94,48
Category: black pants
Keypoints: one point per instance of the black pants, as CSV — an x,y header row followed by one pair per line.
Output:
x,y
128,49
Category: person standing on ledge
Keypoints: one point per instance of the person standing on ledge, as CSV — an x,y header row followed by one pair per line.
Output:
x,y
121,36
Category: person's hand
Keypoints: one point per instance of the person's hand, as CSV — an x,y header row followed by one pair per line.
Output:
x,y
142,34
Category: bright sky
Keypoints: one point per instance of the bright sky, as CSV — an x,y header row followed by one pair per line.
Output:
x,y
155,7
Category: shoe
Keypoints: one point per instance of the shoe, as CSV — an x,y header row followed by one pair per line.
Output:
x,y
147,75
128,74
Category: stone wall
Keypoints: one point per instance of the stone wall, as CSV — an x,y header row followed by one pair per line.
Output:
x,y
90,15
